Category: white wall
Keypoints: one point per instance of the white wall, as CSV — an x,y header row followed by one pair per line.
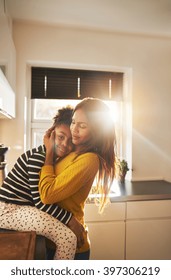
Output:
x,y
150,61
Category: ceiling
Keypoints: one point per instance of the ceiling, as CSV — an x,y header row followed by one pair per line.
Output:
x,y
136,16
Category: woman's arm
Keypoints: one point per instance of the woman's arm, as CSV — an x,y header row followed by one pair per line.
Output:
x,y
78,173
35,162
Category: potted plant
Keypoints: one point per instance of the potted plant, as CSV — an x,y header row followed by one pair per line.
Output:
x,y
121,169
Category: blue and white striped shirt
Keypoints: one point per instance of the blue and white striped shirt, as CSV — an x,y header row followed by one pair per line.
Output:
x,y
21,184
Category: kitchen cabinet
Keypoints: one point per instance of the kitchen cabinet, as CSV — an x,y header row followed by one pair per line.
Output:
x,y
106,231
7,98
130,230
7,65
148,230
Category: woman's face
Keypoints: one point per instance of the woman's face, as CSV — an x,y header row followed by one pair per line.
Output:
x,y
80,129
63,140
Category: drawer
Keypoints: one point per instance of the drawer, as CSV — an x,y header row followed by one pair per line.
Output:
x,y
112,212
148,209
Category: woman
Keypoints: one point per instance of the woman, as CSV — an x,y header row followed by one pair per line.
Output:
x,y
68,183
20,205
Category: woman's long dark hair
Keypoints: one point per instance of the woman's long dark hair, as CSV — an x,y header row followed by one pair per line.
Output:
x,y
102,143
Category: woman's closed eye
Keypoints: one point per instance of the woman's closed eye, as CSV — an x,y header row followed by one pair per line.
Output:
x,y
83,125
79,124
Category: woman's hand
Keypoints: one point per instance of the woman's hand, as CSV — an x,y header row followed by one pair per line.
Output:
x,y
78,230
49,142
49,139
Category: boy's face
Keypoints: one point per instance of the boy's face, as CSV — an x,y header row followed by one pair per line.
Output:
x,y
63,140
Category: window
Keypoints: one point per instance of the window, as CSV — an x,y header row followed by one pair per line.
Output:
x,y
53,88
43,111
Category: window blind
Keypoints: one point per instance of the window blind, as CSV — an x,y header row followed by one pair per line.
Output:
x,y
60,83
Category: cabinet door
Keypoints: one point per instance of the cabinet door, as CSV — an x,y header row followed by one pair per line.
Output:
x,y
7,98
107,240
106,231
155,209
148,239
148,230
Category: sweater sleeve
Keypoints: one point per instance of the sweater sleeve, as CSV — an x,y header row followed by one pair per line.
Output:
x,y
78,173
35,162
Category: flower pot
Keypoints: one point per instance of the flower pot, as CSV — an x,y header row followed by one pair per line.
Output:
x,y
121,177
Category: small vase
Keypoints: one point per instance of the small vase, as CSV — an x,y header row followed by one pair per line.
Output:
x,y
121,177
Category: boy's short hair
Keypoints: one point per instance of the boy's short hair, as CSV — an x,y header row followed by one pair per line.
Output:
x,y
64,116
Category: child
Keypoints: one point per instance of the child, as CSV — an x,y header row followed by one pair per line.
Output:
x,y
20,205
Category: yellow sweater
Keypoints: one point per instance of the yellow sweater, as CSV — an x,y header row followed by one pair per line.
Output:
x,y
68,184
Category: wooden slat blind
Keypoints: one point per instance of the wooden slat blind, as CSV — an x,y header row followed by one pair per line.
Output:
x,y
57,83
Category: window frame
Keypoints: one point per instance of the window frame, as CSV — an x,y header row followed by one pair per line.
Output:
x,y
126,130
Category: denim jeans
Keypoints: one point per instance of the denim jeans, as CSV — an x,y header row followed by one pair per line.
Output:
x,y
82,256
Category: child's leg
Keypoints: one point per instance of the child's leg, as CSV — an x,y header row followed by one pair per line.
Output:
x,y
27,218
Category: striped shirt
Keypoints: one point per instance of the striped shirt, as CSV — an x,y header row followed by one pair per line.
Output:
x,y
21,184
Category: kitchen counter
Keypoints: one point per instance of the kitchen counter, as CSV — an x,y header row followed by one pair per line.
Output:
x,y
141,190
138,221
